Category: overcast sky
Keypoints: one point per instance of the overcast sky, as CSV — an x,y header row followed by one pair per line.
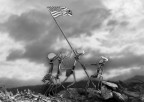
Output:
x,y
112,28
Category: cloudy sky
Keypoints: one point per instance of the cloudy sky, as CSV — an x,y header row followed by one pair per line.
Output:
x,y
112,28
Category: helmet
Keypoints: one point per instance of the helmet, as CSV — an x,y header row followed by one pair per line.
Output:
x,y
103,60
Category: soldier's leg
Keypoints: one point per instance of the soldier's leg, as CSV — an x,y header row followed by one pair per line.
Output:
x,y
49,89
73,81
100,82
97,86
63,81
93,84
87,84
62,84
54,89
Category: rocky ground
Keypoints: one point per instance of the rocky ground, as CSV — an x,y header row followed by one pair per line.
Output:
x,y
109,92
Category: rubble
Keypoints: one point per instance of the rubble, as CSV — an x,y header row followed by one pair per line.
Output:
x,y
112,85
105,94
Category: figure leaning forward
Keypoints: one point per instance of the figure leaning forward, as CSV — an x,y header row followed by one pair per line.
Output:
x,y
99,72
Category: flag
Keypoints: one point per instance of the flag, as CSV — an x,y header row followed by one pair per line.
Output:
x,y
57,11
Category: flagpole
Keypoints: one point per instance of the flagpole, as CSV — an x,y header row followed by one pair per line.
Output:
x,y
63,34
71,47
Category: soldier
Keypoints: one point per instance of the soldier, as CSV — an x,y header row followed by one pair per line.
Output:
x,y
100,65
49,77
71,71
61,58
99,71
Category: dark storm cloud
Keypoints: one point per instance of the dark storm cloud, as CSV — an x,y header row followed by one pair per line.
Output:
x,y
36,51
39,32
35,29
27,27
34,26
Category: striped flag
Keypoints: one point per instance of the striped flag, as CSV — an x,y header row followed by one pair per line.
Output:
x,y
57,11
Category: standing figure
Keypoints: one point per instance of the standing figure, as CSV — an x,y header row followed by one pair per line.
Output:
x,y
71,71
49,77
99,71
60,58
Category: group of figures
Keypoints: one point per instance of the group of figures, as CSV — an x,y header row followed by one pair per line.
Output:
x,y
53,80
101,90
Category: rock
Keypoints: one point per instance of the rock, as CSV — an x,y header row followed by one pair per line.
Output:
x,y
118,96
110,84
64,94
70,93
106,93
94,93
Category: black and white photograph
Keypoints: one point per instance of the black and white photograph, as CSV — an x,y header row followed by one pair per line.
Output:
x,y
72,51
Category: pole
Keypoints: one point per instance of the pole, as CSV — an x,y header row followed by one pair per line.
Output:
x,y
63,34
70,45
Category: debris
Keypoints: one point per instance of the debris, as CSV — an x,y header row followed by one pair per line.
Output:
x,y
118,96
106,93
110,84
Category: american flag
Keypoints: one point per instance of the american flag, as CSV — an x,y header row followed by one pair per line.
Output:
x,y
57,11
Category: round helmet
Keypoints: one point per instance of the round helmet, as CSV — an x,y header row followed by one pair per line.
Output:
x,y
51,56
103,60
